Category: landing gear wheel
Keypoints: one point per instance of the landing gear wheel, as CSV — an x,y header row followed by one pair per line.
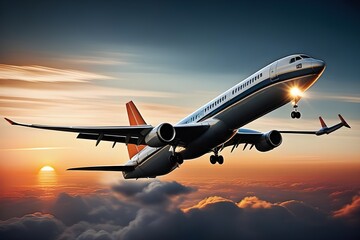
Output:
x,y
213,159
295,113
220,159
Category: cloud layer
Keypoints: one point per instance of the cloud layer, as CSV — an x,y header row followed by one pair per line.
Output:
x,y
149,210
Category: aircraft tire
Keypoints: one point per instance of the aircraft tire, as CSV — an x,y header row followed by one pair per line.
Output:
x,y
293,114
220,159
213,159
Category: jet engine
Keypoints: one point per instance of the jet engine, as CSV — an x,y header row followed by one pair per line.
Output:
x,y
269,141
160,135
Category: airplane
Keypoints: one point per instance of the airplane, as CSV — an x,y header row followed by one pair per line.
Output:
x,y
155,151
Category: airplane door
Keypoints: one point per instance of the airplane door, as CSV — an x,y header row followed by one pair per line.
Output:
x,y
273,74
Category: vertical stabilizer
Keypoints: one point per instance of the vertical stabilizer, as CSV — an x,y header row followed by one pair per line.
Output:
x,y
135,119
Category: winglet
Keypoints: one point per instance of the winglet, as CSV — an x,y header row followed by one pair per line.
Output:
x,y
343,121
10,121
322,122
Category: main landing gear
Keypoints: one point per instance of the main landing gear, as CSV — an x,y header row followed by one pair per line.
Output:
x,y
295,113
216,159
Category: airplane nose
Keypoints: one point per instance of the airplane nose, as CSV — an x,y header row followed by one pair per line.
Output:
x,y
318,66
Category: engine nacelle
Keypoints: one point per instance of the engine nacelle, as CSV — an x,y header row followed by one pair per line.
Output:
x,y
269,141
160,135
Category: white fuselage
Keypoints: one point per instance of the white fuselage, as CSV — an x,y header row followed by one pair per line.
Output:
x,y
255,96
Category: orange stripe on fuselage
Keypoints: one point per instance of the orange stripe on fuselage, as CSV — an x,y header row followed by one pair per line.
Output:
x,y
135,119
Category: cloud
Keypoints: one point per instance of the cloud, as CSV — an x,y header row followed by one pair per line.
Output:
x,y
95,235
350,211
70,209
151,193
207,202
42,91
14,207
254,202
38,226
140,210
336,97
37,73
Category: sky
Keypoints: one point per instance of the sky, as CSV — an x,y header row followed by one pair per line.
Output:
x,y
79,62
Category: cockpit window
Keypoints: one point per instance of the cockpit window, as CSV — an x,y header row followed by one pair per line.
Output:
x,y
292,60
304,56
298,58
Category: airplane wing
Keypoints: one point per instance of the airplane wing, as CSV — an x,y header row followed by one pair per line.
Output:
x,y
251,137
246,136
123,134
123,168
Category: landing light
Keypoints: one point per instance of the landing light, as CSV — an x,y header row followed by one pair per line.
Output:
x,y
295,92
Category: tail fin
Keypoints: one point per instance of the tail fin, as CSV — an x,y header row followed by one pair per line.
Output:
x,y
323,124
135,119
343,121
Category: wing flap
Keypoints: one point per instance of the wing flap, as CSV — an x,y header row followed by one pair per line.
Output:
x,y
109,138
246,136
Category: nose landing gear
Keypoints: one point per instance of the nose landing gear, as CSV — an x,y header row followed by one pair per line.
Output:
x,y
296,94
295,113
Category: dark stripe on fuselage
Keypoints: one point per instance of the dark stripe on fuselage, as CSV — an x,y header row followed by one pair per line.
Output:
x,y
265,83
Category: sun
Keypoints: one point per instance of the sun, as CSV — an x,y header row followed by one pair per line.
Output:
x,y
47,168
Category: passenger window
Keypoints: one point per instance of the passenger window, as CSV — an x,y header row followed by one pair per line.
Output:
x,y
260,74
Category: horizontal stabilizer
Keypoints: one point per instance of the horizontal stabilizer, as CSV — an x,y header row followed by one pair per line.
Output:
x,y
105,168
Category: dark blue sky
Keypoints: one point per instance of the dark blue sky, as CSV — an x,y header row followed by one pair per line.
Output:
x,y
219,42
228,36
